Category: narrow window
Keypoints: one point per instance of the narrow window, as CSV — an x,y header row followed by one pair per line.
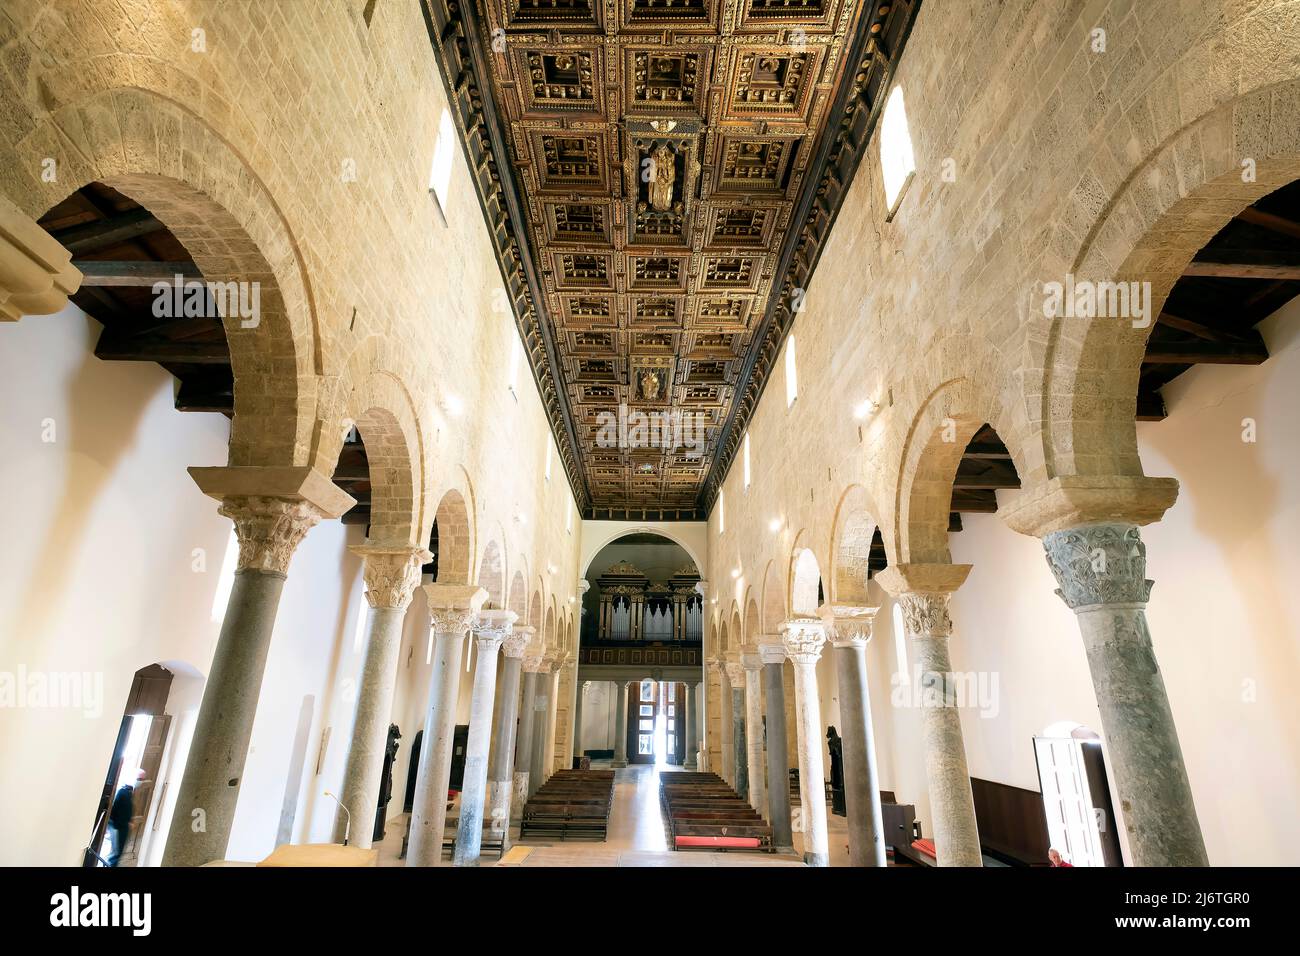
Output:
x,y
791,373
897,164
440,174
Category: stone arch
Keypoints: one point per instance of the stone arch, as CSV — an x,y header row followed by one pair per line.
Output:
x,y
550,625
736,631
722,637
535,614
187,174
518,600
1169,206
773,598
455,541
492,575
853,529
381,407
753,628
805,576
590,551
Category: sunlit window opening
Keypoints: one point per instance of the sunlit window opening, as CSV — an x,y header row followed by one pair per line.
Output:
x,y
440,174
897,164
791,373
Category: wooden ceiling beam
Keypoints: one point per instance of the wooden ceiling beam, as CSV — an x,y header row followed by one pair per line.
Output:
x,y
113,347
116,272
1248,350
205,395
1278,224
94,236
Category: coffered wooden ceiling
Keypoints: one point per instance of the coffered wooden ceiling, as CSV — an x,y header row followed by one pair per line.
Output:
x,y
659,176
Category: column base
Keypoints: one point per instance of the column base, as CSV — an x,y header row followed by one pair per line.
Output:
x,y
618,764
816,859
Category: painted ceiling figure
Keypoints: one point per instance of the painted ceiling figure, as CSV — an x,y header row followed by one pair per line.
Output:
x,y
661,183
650,386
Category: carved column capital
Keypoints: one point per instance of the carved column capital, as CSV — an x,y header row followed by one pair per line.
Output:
x,y
735,674
751,659
268,530
36,271
491,628
926,612
391,574
848,626
516,642
804,638
1098,564
453,607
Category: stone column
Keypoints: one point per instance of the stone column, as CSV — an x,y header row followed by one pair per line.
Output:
x,y
922,591
542,688
726,743
36,271
490,630
527,730
692,731
620,727
1102,572
268,529
577,717
736,713
391,576
501,784
452,608
850,631
772,652
804,638
753,665
552,721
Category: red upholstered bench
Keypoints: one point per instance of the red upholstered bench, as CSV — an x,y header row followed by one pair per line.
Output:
x,y
926,847
738,843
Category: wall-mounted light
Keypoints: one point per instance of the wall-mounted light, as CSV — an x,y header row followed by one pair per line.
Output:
x,y
774,525
866,409
452,405
735,572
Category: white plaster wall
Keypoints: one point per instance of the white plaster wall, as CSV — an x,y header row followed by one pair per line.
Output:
x,y
1225,628
99,577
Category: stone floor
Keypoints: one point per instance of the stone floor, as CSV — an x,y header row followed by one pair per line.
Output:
x,y
636,836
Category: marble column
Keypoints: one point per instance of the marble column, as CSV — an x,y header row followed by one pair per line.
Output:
x,y
739,752
692,731
620,726
527,730
542,694
1101,569
804,638
36,270
391,576
772,652
501,784
268,530
452,609
490,629
922,592
552,721
850,631
577,718
753,695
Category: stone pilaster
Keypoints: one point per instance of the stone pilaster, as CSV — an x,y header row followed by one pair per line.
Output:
x,y
490,630
391,576
542,696
452,609
1101,569
726,740
804,639
736,712
922,592
528,724
268,529
692,730
753,665
620,727
772,653
850,631
36,271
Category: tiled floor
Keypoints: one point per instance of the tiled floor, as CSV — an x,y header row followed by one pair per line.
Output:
x,y
636,836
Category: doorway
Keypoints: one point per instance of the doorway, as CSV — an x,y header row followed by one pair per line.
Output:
x,y
135,763
656,723
1076,795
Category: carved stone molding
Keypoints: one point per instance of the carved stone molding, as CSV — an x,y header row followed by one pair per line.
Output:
x,y
36,271
453,607
848,626
515,644
269,530
772,650
926,612
492,627
1099,564
751,660
804,639
391,574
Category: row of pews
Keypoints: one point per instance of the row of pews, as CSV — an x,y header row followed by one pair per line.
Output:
x,y
702,813
572,803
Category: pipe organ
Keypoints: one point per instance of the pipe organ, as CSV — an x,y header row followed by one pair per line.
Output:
x,y
631,608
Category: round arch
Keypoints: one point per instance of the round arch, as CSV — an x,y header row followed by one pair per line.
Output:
x,y
594,547
455,542
851,537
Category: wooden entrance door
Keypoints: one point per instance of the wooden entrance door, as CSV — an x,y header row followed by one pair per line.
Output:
x,y
643,708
